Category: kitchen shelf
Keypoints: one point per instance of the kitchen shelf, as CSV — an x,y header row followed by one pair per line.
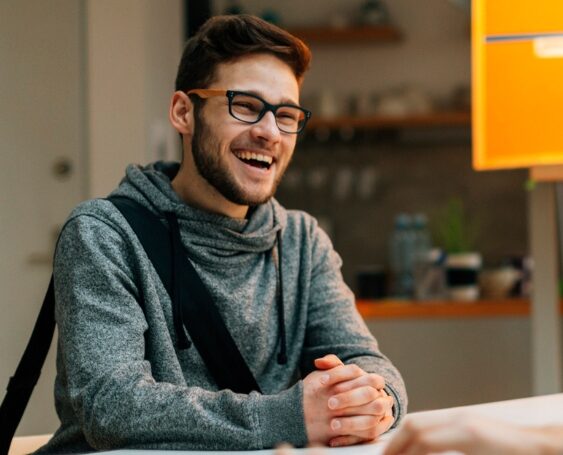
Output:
x,y
408,309
434,119
359,34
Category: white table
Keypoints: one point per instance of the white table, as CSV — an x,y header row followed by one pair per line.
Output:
x,y
543,410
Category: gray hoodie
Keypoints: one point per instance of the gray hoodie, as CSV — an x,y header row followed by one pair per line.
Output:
x,y
121,380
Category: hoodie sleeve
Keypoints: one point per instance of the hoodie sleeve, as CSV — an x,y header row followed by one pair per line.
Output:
x,y
108,386
336,327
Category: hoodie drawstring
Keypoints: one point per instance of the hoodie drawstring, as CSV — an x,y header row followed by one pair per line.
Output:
x,y
282,355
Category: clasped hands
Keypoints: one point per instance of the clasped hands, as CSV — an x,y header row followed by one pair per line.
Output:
x,y
344,405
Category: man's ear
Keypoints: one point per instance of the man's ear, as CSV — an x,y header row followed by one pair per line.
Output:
x,y
181,113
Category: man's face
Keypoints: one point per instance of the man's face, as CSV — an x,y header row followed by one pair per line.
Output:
x,y
223,146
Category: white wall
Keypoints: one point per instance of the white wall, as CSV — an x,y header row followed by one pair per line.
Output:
x,y
82,79
454,362
134,47
42,121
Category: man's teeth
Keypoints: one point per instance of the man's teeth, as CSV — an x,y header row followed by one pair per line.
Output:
x,y
254,156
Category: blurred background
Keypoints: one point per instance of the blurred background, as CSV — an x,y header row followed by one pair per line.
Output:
x,y
385,166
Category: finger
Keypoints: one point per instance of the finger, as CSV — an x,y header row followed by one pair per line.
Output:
x,y
368,428
354,398
342,373
341,441
440,439
362,426
368,379
327,362
402,439
381,407
415,428
283,449
385,425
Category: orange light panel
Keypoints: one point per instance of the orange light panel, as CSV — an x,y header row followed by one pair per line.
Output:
x,y
517,83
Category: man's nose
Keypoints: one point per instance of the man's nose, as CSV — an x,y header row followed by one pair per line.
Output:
x,y
267,129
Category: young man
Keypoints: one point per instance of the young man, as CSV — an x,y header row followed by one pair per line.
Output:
x,y
126,374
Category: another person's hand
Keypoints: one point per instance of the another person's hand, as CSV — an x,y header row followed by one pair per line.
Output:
x,y
471,435
344,405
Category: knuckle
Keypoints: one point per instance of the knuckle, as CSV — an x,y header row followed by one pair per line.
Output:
x,y
340,388
373,380
356,370
337,373
368,395
374,421
372,393
376,408
313,387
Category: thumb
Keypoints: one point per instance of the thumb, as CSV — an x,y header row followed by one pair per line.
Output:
x,y
327,362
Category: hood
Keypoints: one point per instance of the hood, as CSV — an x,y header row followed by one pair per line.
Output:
x,y
209,238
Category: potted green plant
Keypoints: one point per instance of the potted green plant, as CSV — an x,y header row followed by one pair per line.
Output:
x,y
456,234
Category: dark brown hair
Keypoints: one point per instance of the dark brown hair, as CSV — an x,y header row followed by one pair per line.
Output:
x,y
226,38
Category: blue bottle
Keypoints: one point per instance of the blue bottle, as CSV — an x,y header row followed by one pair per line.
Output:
x,y
401,256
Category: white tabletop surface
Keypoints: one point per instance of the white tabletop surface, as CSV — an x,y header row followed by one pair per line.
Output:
x,y
543,410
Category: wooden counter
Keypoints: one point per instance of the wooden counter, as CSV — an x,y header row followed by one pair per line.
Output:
x,y
409,309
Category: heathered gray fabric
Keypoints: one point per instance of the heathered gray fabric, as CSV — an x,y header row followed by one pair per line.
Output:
x,y
122,383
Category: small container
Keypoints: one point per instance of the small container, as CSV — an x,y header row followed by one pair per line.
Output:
x,y
462,272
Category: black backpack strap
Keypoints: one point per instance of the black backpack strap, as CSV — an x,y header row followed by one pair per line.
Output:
x,y
156,241
27,373
196,308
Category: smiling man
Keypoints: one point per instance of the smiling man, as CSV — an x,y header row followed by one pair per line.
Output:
x,y
128,372
240,144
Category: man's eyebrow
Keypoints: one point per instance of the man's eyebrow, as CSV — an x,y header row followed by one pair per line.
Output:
x,y
283,101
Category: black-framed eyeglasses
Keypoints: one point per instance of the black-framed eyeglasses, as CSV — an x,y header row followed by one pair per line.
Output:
x,y
250,108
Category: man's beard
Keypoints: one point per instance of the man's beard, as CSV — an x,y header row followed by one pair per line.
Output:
x,y
207,158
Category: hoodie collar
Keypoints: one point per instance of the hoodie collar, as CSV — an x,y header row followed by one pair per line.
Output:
x,y
220,235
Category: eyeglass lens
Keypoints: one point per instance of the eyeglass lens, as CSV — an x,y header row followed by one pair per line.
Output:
x,y
250,109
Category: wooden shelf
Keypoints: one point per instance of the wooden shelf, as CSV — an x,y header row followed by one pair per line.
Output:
x,y
407,309
451,118
335,35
